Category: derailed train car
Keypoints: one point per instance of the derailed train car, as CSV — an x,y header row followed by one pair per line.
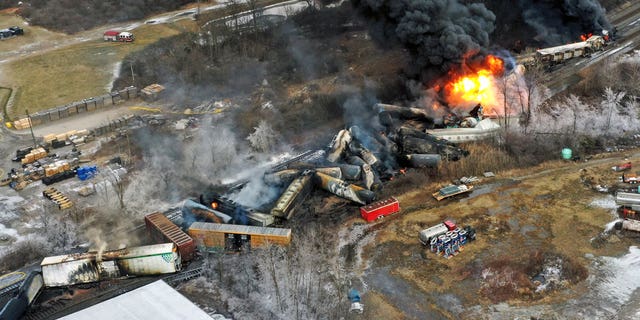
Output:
x,y
559,54
25,296
162,230
292,197
71,269
231,237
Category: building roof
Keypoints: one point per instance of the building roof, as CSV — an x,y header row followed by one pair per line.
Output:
x,y
157,301
111,33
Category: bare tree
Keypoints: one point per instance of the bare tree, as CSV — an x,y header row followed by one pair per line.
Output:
x,y
532,77
577,107
610,103
264,138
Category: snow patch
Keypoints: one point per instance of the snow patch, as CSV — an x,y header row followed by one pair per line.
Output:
x,y
621,276
608,202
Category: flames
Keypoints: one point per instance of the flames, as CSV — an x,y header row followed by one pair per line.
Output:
x,y
584,37
476,83
214,205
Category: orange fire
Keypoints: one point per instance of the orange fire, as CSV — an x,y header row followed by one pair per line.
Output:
x,y
476,85
584,37
214,205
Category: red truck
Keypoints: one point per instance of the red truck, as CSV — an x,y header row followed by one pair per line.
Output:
x,y
622,167
118,36
380,209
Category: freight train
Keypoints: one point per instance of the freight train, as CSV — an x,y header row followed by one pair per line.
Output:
x,y
292,197
71,269
26,294
233,237
240,214
562,53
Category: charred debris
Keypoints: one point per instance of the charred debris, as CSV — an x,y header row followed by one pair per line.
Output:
x,y
354,166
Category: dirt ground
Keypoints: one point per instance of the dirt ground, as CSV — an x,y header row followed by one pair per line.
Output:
x,y
525,220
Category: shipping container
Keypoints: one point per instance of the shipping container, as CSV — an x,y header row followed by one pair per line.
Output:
x,y
236,237
380,209
162,230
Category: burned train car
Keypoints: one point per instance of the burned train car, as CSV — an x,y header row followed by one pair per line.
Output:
x,y
562,53
71,269
292,197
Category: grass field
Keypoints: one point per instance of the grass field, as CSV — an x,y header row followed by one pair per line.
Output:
x,y
81,70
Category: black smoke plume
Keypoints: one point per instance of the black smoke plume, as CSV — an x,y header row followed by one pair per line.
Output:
x,y
436,32
559,22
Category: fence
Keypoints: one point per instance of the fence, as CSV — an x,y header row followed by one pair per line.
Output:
x,y
78,107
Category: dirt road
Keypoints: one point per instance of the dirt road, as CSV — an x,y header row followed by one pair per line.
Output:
x,y
537,223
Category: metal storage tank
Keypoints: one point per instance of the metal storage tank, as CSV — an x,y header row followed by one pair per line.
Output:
x,y
426,234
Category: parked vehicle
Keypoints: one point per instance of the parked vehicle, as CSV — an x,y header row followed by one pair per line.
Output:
x,y
627,198
452,190
117,36
11,32
446,238
380,209
622,167
630,178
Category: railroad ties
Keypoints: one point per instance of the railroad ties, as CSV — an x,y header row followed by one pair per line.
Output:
x,y
57,197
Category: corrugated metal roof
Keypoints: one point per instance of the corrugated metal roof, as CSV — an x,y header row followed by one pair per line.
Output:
x,y
157,301
234,228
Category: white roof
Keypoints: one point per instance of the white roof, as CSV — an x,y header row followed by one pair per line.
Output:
x,y
149,250
157,301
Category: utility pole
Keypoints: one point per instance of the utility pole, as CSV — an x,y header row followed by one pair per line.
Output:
x,y
35,145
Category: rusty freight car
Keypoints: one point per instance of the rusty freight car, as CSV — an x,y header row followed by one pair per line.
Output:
x,y
232,237
162,230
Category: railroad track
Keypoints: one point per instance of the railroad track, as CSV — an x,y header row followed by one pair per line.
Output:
x,y
183,276
308,155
